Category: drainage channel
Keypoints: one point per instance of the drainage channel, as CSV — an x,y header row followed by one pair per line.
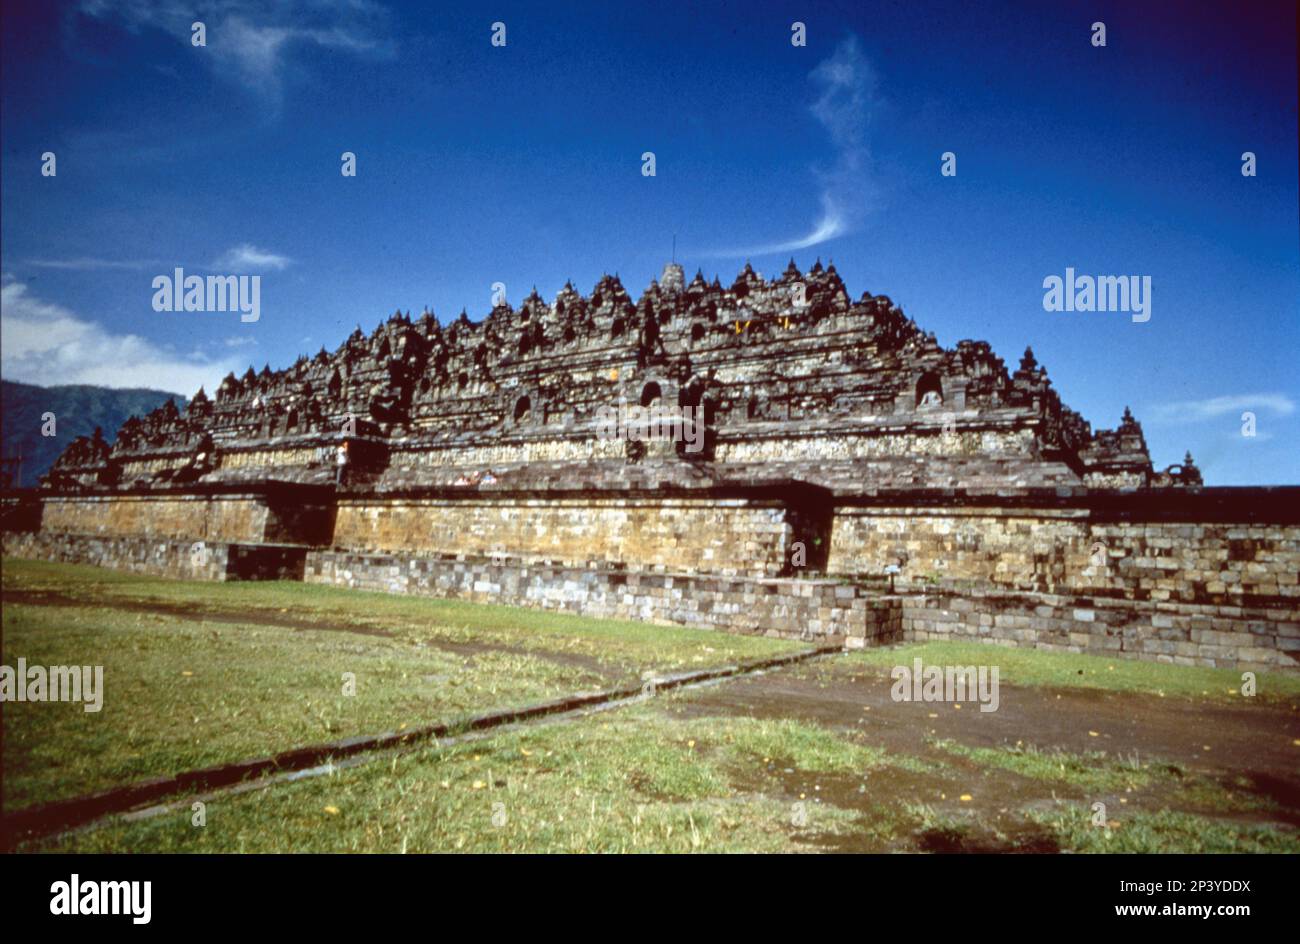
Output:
x,y
92,810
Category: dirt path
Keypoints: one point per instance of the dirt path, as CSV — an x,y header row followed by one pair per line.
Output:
x,y
1251,746
1250,737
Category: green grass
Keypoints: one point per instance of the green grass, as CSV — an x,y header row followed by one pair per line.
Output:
x,y
180,694
808,748
642,780
1017,666
184,692
631,781
195,673
1094,772
1164,831
1069,828
626,646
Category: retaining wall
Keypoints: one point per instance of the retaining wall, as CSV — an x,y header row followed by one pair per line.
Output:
x,y
727,536
1247,638
818,610
1198,577
162,557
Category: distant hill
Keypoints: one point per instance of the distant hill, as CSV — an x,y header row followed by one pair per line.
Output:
x,y
78,409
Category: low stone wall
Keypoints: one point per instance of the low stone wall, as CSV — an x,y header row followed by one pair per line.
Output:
x,y
158,557
1246,638
821,611
1217,547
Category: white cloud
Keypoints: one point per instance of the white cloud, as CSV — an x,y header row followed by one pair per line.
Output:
x,y
44,343
87,264
257,50
248,257
243,258
844,108
1196,411
249,40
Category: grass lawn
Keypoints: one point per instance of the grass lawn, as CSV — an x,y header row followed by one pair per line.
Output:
x,y
204,673
1051,669
626,781
642,779
814,757
625,646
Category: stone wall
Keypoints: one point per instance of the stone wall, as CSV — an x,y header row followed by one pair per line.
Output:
x,y
273,516
193,517
299,522
558,446
1202,551
825,612
1015,548
820,611
273,457
20,510
160,557
157,557
1206,578
886,437
710,535
1248,638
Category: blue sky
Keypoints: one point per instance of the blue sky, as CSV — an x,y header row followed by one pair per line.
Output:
x,y
522,164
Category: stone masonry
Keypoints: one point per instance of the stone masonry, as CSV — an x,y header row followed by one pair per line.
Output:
x,y
851,480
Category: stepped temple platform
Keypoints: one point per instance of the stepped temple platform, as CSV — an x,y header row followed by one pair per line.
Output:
x,y
846,479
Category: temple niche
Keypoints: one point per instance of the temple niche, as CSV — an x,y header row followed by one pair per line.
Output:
x,y
929,391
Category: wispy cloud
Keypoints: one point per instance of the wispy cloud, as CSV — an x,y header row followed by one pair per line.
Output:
x,y
845,102
249,41
248,257
1197,411
242,258
47,344
90,264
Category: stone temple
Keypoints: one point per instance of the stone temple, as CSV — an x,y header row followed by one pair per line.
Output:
x,y
852,481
